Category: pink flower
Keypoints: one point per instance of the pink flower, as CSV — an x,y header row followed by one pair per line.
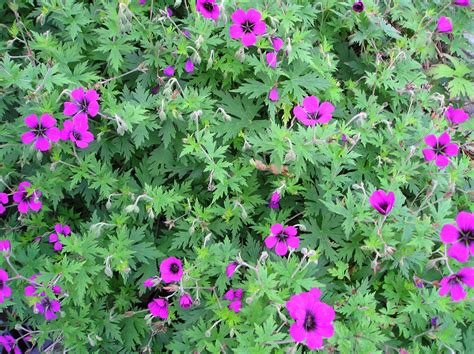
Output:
x,y
358,6
312,112
63,230
8,343
5,290
77,131
382,201
273,95
453,284
274,201
271,59
169,11
235,298
444,25
48,307
85,102
230,269
43,131
142,2
313,318
171,270
277,43
151,282
282,239
169,70
5,246
461,2
27,200
185,301
159,308
462,237
3,202
208,9
440,149
456,116
189,66
247,26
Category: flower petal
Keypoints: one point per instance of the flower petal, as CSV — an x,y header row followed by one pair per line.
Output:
x,y
297,332
239,16
42,144
431,140
311,104
429,154
457,292
442,161
449,233
78,94
270,241
281,248
93,108
465,221
260,28
70,109
47,121
248,39
459,251
276,229
235,31
444,139
28,137
53,134
31,121
293,242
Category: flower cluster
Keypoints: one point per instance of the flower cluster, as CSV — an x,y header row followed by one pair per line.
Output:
x,y
235,298
63,230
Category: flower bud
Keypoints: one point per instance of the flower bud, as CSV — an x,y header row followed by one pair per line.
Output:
x,y
185,301
240,54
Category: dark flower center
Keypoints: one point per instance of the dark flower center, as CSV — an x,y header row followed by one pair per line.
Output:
x,y
208,6
2,284
309,322
383,205
248,26
439,149
174,268
467,236
282,237
358,6
77,135
314,115
40,131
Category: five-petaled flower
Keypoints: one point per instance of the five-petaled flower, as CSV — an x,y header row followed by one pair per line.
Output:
x,y
440,148
312,112
235,298
85,102
462,237
9,344
382,201
59,229
3,202
444,25
159,308
43,131
282,238
453,284
27,200
456,115
48,307
313,318
247,26
5,290
208,9
77,130
171,270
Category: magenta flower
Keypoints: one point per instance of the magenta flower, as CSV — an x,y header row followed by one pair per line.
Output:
x,y
247,26
382,201
185,301
77,131
169,11
5,290
43,131
142,2
453,284
271,59
8,343
169,70
461,2
159,308
189,66
5,246
208,9
277,43
3,202
444,25
48,307
230,269
187,34
63,230
31,290
282,239
456,116
440,149
274,201
85,102
27,200
358,6
171,270
312,112
273,94
313,318
151,282
462,237
235,298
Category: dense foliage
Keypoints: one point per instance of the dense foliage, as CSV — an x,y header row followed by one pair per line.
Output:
x,y
247,176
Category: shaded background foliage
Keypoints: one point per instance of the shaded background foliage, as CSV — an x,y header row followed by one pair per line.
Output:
x,y
185,167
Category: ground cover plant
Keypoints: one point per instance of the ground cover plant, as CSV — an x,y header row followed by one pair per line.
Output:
x,y
236,176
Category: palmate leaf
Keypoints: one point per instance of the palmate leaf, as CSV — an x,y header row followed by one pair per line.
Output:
x,y
303,83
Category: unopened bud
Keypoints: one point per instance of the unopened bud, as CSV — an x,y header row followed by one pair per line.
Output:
x,y
240,54
132,208
207,334
290,156
108,205
263,256
196,58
